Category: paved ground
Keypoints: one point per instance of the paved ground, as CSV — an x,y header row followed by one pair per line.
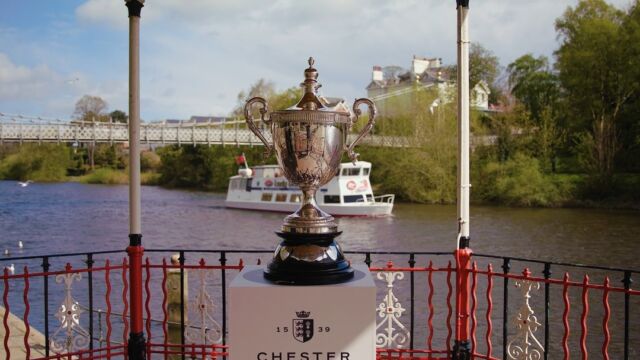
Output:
x,y
16,339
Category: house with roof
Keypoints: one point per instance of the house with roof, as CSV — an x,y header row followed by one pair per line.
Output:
x,y
393,83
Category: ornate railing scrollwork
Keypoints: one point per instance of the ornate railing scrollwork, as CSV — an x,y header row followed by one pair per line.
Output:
x,y
390,310
70,336
525,345
204,329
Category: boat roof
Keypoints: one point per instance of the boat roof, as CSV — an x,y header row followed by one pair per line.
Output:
x,y
359,164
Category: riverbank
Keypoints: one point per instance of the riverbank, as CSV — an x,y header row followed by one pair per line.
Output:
x,y
120,177
106,176
412,174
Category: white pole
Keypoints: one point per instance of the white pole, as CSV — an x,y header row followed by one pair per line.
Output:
x,y
463,124
134,125
246,165
136,344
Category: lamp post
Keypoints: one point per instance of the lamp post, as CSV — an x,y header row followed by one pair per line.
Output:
x,y
137,344
462,347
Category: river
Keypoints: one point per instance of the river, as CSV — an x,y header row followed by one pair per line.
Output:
x,y
73,217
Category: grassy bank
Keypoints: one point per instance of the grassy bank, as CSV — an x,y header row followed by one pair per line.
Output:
x,y
421,174
115,177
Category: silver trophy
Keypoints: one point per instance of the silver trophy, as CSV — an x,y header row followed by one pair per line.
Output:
x,y
309,139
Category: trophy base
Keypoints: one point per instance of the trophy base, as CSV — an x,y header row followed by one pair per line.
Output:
x,y
308,259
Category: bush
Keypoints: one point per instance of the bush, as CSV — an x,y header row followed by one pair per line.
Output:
x,y
150,161
519,181
106,176
203,167
46,162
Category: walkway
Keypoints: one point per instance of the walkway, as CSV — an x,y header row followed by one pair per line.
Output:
x,y
19,129
16,339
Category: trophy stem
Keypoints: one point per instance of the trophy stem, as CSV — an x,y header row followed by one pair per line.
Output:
x,y
309,218
309,206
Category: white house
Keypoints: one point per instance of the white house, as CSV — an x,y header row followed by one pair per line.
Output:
x,y
393,81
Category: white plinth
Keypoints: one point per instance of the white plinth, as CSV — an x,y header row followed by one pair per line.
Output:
x,y
266,320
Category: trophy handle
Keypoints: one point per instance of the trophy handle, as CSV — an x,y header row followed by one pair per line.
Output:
x,y
372,120
252,125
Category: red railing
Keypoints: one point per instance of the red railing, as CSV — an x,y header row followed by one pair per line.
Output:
x,y
550,316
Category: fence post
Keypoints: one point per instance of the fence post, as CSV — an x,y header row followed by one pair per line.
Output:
x,y
462,345
137,346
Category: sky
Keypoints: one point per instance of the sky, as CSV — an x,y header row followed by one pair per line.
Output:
x,y
197,55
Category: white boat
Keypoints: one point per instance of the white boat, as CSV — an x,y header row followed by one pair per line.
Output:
x,y
349,193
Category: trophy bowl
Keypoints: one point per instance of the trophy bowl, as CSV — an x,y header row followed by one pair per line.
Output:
x,y
309,139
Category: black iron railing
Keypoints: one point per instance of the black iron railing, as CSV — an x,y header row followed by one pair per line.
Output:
x,y
584,309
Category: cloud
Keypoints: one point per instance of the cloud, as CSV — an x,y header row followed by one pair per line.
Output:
x,y
39,90
107,12
198,54
22,82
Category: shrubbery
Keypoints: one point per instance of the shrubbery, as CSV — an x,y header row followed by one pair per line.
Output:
x,y
519,181
44,162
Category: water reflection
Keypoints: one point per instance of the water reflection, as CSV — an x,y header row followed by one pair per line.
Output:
x,y
70,217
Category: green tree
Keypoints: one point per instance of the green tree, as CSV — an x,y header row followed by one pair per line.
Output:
x,y
266,89
118,116
92,109
536,90
263,88
38,162
533,84
483,65
593,60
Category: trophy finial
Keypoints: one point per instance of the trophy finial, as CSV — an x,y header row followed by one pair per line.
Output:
x,y
309,99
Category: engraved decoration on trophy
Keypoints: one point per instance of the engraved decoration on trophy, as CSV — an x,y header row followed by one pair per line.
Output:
x,y
309,139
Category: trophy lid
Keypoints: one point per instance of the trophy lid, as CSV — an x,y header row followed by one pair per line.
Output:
x,y
314,107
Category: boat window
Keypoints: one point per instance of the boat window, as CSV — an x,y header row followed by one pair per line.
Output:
x,y
281,197
268,173
242,184
295,198
353,198
369,197
351,172
332,199
266,196
249,181
366,171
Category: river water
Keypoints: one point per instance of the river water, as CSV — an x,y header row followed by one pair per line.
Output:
x,y
72,217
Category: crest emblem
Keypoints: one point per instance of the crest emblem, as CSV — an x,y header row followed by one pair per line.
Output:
x,y
303,326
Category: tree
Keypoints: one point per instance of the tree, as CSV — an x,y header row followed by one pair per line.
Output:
x,y
483,65
536,89
593,60
263,88
118,116
533,84
90,108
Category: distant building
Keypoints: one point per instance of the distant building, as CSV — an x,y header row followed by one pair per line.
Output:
x,y
479,97
393,82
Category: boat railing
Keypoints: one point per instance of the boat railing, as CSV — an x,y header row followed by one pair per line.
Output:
x,y
515,306
386,198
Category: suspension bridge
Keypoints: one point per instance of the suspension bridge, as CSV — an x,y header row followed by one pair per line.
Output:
x,y
30,129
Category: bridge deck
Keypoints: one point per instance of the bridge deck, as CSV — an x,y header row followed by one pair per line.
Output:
x,y
208,134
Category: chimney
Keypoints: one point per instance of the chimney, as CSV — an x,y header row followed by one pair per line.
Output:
x,y
377,73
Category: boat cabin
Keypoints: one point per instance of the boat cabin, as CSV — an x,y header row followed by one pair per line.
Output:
x,y
267,184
